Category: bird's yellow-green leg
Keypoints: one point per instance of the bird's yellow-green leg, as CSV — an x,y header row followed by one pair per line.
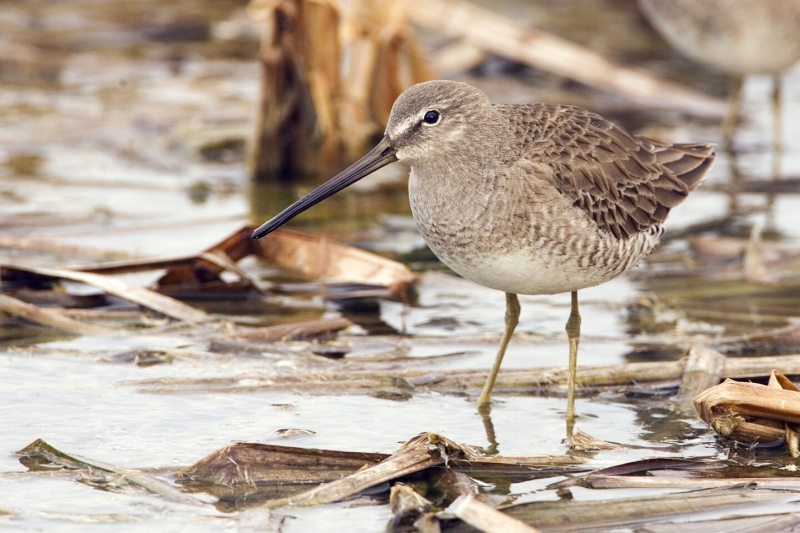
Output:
x,y
734,103
573,334
512,319
488,426
777,127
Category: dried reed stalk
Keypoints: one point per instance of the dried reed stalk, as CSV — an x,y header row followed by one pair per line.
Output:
x,y
486,518
285,121
360,379
604,515
421,452
750,412
40,451
703,370
330,73
51,318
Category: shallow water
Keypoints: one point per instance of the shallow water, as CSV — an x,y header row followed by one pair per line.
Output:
x,y
108,158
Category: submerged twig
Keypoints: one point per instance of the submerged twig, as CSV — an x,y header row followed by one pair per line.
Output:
x,y
51,318
40,450
54,246
689,483
355,379
288,332
571,515
770,523
138,295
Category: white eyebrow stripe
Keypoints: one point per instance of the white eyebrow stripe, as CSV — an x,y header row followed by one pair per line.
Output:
x,y
404,126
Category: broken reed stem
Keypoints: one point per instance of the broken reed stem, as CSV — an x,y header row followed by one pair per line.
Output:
x,y
51,318
288,332
117,287
703,370
571,515
35,244
517,381
751,412
486,518
689,483
421,452
43,450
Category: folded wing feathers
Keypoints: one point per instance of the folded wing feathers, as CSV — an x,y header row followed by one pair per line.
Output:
x,y
627,183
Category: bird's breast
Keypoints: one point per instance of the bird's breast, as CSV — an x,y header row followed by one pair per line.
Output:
x,y
518,241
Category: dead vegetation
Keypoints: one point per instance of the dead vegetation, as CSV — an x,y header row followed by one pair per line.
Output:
x,y
431,489
329,73
432,478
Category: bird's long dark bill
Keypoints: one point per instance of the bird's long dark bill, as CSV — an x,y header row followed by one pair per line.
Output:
x,y
378,157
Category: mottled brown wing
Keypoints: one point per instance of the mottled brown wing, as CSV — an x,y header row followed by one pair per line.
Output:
x,y
624,182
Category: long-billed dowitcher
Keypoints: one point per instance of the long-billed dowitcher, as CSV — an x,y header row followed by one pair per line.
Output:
x,y
526,199
740,37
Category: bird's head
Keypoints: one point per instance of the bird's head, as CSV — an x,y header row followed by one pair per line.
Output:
x,y
432,119
428,121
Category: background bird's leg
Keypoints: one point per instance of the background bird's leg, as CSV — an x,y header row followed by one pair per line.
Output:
x,y
573,334
734,104
512,318
777,127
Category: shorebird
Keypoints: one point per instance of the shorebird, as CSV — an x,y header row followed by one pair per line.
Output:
x,y
525,199
740,37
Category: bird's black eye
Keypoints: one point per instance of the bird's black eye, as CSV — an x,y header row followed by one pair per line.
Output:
x,y
431,117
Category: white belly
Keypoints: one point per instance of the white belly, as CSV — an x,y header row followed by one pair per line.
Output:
x,y
521,273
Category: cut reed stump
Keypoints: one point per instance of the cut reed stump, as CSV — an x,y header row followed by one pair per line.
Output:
x,y
329,76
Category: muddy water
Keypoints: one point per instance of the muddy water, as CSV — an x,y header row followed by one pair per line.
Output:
x,y
122,137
